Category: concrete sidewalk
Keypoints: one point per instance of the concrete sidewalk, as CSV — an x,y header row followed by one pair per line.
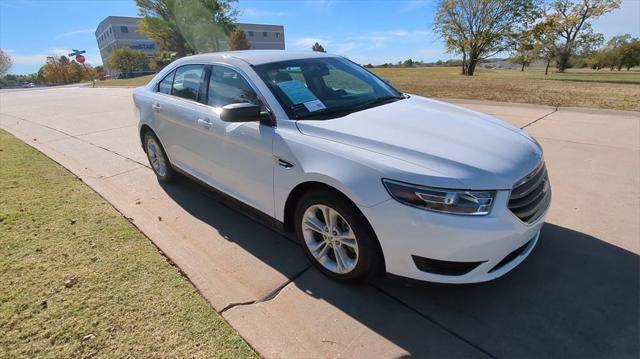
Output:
x,y
577,295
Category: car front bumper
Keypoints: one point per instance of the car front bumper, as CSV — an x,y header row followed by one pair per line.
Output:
x,y
488,246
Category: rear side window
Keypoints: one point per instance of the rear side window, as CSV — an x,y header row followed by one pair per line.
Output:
x,y
165,85
186,82
227,86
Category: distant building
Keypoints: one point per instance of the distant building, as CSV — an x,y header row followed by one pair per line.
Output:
x,y
264,37
122,31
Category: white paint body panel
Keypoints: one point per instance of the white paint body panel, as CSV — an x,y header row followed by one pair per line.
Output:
x,y
415,140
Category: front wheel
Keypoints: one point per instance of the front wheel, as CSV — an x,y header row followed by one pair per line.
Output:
x,y
158,158
336,236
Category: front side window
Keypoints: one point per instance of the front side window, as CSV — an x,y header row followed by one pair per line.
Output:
x,y
326,87
186,83
227,86
124,29
165,85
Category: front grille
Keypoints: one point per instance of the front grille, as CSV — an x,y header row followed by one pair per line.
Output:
x,y
531,196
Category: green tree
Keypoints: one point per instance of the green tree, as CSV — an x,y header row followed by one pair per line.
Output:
x,y
126,61
525,50
630,54
408,63
238,41
187,26
570,19
618,51
317,47
523,39
5,63
479,29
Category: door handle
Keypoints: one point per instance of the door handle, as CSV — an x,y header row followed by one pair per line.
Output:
x,y
156,107
204,123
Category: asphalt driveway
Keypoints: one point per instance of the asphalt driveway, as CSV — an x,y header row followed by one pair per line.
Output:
x,y
576,295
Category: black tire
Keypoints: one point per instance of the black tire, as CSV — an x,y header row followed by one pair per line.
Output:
x,y
369,258
169,174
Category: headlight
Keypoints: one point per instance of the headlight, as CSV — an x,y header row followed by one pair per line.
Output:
x,y
473,203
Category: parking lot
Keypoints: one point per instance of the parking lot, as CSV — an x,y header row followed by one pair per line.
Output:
x,y
577,294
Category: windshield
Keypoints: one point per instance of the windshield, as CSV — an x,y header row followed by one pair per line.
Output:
x,y
321,88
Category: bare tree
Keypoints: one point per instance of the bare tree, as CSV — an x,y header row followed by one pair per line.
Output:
x,y
479,29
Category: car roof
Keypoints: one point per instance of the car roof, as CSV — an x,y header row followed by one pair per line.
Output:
x,y
258,57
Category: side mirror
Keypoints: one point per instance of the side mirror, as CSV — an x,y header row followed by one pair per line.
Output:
x,y
244,112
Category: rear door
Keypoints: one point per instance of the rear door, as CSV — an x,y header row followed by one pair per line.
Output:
x,y
175,111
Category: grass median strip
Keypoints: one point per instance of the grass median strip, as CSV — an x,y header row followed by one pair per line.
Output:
x,y
78,280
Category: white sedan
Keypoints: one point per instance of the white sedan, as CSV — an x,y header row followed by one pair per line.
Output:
x,y
368,178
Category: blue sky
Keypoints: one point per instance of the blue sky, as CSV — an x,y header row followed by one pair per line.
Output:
x,y
365,31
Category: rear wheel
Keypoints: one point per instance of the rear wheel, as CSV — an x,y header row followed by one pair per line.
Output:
x,y
336,236
158,158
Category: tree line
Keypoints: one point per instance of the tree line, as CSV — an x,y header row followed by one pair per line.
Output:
x,y
620,52
56,70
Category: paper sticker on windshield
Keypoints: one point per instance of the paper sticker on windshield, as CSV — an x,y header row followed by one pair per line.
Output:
x,y
297,92
315,105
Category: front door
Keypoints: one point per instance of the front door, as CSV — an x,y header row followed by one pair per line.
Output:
x,y
236,158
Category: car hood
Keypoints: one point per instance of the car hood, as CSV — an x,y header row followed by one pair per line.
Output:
x,y
476,150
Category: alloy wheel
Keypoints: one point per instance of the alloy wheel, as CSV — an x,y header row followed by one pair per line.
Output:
x,y
330,239
156,157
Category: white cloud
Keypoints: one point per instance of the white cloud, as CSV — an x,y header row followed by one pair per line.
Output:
x,y
371,47
377,39
343,48
75,33
321,5
412,5
60,52
34,59
250,12
307,42
40,58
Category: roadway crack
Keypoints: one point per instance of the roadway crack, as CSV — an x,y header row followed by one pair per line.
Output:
x,y
269,296
540,118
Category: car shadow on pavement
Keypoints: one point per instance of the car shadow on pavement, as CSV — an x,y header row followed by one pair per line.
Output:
x,y
574,296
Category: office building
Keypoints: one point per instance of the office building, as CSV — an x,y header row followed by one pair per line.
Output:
x,y
121,31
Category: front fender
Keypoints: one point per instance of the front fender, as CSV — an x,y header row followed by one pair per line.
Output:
x,y
317,160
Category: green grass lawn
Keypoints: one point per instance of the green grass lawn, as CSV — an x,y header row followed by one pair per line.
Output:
x,y
134,82
78,280
576,87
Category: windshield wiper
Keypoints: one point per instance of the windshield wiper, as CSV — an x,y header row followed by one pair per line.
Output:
x,y
378,101
325,112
